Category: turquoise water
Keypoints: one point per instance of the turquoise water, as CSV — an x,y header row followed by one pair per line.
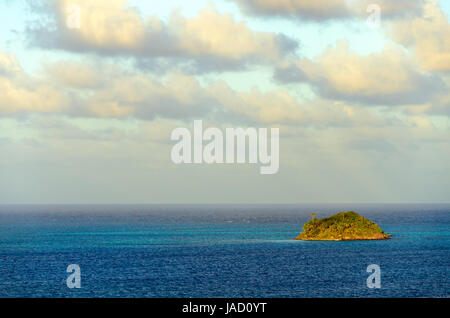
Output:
x,y
218,251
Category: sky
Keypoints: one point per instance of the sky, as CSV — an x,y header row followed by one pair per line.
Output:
x,y
88,101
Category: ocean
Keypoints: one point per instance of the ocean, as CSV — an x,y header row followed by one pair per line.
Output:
x,y
219,251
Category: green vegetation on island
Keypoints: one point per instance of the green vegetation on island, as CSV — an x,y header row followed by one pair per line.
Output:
x,y
343,226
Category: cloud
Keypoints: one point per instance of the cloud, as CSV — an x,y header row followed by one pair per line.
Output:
x,y
439,105
279,107
428,36
73,89
393,9
314,10
21,93
17,99
385,78
109,27
9,65
74,74
320,10
177,96
120,93
182,97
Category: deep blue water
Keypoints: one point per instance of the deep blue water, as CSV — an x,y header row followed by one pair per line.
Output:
x,y
218,251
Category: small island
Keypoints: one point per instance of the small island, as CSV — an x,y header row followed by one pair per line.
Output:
x,y
343,226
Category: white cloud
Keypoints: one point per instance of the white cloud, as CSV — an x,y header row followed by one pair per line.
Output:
x,y
428,36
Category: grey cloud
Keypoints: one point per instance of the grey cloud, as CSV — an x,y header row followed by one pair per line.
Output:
x,y
289,73
322,10
304,9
